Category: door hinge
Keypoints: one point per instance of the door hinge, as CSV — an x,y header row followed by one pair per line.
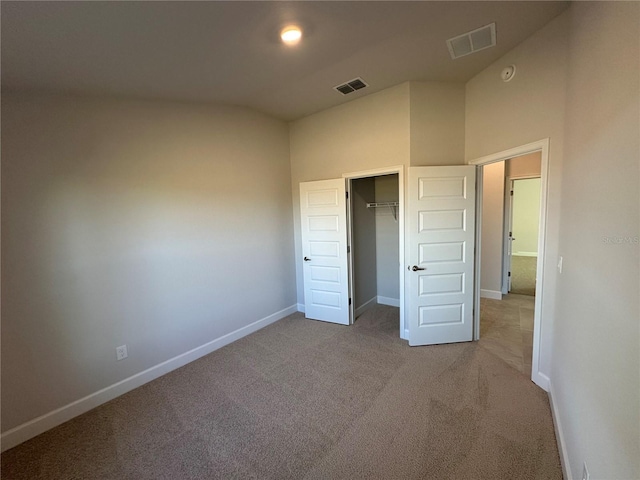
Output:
x,y
511,193
509,274
348,249
349,301
510,234
347,194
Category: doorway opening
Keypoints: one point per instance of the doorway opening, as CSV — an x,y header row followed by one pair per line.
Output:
x,y
522,213
375,238
509,246
511,220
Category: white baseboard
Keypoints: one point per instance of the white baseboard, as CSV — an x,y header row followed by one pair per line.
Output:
x,y
525,254
406,334
301,307
32,428
365,306
541,380
562,446
492,294
392,302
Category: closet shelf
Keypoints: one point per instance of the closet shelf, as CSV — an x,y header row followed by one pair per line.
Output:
x,y
392,206
382,204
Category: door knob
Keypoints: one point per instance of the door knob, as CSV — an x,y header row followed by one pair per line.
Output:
x,y
307,259
415,268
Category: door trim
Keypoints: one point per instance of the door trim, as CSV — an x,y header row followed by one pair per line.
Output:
x,y
506,238
394,169
541,146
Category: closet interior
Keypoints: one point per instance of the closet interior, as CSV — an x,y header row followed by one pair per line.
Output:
x,y
375,242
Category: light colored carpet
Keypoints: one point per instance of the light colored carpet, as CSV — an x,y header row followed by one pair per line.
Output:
x,y
305,399
523,275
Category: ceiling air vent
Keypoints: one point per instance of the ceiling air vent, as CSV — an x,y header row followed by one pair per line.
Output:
x,y
472,42
351,86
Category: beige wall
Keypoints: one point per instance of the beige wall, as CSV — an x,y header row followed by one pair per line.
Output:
x,y
161,226
437,123
492,228
596,360
524,166
530,107
415,123
367,133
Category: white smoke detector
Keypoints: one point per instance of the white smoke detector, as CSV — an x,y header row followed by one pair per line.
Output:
x,y
508,73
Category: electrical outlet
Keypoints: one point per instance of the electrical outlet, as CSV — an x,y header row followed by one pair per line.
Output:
x,y
585,472
121,352
560,265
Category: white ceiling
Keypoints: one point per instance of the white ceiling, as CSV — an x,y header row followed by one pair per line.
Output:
x,y
229,52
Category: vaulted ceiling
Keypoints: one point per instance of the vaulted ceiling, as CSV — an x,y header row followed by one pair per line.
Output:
x,y
230,52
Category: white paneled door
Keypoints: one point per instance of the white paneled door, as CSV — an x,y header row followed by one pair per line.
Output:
x,y
440,243
324,249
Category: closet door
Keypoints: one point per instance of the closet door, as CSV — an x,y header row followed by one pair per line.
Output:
x,y
440,243
323,213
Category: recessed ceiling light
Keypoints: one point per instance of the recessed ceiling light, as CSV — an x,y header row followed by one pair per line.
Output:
x,y
291,35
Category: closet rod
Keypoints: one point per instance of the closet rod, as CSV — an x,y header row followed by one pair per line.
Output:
x,y
392,206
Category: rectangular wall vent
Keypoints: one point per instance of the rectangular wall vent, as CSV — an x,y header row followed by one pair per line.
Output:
x,y
351,86
473,41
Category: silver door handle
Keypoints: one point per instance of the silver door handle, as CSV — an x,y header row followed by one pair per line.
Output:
x,y
415,268
307,259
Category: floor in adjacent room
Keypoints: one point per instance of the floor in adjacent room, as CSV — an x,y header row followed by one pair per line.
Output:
x,y
506,329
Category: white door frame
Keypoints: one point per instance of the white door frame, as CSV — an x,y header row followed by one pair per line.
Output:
x,y
507,244
541,146
395,169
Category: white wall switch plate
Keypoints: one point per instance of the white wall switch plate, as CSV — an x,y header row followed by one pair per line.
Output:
x,y
121,352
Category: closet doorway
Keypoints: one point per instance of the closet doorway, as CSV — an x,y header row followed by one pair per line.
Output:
x,y
375,240
374,246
